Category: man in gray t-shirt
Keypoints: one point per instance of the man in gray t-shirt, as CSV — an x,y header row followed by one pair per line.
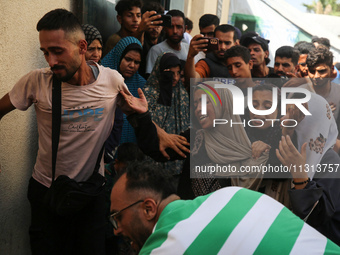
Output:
x,y
173,42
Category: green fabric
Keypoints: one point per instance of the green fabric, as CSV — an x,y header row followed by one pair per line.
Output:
x,y
168,220
220,227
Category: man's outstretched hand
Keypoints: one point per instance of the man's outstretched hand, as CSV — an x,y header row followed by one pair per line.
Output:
x,y
133,104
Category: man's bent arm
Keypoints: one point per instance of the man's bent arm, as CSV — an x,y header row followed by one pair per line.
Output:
x,y
5,105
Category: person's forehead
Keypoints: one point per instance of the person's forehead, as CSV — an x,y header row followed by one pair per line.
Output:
x,y
177,20
254,45
321,66
198,93
174,68
263,95
234,60
283,60
228,36
133,54
95,43
303,57
134,10
207,29
53,38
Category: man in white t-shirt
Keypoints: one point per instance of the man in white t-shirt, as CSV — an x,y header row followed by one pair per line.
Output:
x,y
90,94
173,42
320,68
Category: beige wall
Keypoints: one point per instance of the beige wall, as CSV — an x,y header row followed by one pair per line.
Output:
x,y
19,51
194,9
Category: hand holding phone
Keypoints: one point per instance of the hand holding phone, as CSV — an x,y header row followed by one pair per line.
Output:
x,y
212,43
166,20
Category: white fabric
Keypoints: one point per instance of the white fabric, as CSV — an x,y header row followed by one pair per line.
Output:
x,y
252,227
87,119
187,37
320,125
162,47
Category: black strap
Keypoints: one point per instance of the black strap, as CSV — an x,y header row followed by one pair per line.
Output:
x,y
56,120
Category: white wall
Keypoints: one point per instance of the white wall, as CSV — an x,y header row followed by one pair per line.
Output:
x,y
19,51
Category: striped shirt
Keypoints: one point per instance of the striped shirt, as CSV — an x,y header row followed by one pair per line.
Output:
x,y
234,220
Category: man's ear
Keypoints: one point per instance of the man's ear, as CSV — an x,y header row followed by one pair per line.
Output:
x,y
119,19
150,209
266,53
237,42
250,65
333,72
82,46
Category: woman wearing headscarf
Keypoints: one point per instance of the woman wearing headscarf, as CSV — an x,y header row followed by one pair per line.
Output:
x,y
168,100
125,57
224,144
315,196
94,43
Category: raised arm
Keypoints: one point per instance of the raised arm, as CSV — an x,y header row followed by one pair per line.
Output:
x,y
196,45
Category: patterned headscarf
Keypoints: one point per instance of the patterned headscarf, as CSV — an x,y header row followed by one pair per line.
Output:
x,y
91,34
112,60
175,117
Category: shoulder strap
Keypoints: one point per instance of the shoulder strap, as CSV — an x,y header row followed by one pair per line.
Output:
x,y
56,118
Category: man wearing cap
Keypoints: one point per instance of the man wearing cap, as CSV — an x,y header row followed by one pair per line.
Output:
x,y
258,48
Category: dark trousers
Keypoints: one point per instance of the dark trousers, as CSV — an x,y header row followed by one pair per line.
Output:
x,y
83,233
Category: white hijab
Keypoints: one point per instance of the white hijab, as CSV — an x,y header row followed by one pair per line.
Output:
x,y
318,130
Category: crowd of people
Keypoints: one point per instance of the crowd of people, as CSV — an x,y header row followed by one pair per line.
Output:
x,y
150,96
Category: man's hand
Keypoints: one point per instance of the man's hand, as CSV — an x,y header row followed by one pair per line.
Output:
x,y
133,104
149,21
258,147
333,106
172,141
197,44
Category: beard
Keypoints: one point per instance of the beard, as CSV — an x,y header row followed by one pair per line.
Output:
x,y
66,77
174,40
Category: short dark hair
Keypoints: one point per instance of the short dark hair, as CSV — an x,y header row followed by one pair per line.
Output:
x,y
128,152
320,55
126,5
208,20
225,28
238,51
59,19
151,177
153,6
188,23
324,41
177,13
304,47
288,52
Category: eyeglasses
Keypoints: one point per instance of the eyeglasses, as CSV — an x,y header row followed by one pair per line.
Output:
x,y
113,215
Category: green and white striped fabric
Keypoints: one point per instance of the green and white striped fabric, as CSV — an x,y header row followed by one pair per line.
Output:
x,y
234,220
